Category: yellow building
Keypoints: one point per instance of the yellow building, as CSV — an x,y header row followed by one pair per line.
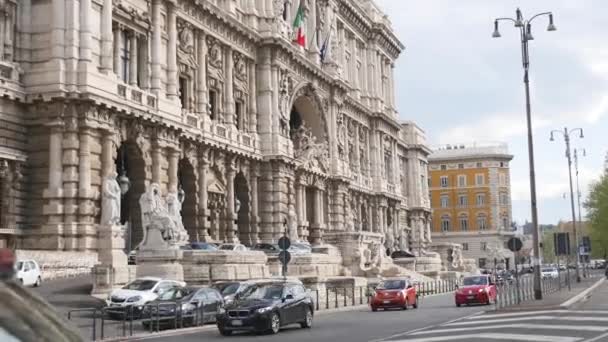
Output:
x,y
471,200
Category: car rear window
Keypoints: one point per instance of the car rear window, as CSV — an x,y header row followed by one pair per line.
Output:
x,y
392,285
472,281
140,285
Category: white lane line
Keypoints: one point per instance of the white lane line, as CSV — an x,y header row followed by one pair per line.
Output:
x,y
535,318
597,338
594,328
516,314
496,336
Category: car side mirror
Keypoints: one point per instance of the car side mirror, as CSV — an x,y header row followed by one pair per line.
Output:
x,y
409,287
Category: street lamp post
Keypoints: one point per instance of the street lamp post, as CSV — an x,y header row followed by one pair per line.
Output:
x,y
578,197
566,133
525,30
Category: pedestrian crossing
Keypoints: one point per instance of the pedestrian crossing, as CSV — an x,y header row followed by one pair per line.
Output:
x,y
542,325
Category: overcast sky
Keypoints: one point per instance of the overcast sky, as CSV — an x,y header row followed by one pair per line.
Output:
x,y
461,85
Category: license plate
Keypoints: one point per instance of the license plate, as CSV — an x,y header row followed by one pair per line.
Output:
x,y
470,297
237,322
114,304
386,301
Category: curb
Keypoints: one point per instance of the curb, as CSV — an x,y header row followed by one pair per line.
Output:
x,y
579,297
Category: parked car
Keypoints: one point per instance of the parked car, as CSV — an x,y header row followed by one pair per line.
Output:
x,y
237,247
267,248
476,290
203,246
230,289
196,305
505,277
28,273
549,272
138,293
394,293
299,248
266,307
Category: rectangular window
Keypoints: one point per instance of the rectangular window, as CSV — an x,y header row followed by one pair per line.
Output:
x,y
445,201
479,179
504,199
502,179
445,224
213,104
444,167
479,165
481,199
461,166
462,200
484,246
464,224
505,223
462,181
465,246
444,181
124,56
481,223
482,262
183,91
238,114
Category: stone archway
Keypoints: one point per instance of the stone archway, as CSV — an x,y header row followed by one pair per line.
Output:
x,y
241,189
307,111
187,182
130,163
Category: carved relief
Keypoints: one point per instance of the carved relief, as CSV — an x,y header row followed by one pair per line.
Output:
x,y
286,85
240,67
216,58
310,154
342,137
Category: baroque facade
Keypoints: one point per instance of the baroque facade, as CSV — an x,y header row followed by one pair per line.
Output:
x,y
212,100
471,201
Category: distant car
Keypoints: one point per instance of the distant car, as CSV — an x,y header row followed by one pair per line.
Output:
x,y
299,248
203,246
267,307
200,305
562,267
237,247
504,277
401,254
394,293
138,293
476,290
267,248
549,273
28,273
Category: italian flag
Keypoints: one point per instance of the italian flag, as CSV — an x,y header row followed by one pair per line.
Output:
x,y
298,24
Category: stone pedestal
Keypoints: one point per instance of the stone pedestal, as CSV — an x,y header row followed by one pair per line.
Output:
x,y
113,268
309,265
162,263
428,264
202,267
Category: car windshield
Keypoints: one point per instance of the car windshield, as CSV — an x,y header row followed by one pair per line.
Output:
x,y
228,288
227,247
140,285
204,246
273,291
392,285
472,281
172,294
549,269
18,265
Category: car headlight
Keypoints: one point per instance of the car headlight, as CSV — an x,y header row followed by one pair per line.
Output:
x,y
221,311
263,310
188,306
134,299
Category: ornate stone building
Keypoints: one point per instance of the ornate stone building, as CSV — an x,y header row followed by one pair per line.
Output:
x,y
211,99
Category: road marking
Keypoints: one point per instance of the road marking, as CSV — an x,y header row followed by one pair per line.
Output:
x,y
597,338
536,318
595,328
497,336
515,314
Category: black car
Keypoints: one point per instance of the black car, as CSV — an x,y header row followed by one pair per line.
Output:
x,y
267,248
189,306
266,307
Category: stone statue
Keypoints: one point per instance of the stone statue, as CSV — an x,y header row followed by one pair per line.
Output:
x,y
174,209
110,201
237,205
155,216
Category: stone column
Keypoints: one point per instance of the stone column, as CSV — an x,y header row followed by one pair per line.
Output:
x,y
364,84
253,103
171,51
85,32
253,206
156,163
156,46
318,226
107,152
84,164
173,166
143,62
3,29
203,101
203,198
117,45
106,36
231,227
56,159
133,69
228,87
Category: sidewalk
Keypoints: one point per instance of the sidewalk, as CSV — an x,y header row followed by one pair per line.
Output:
x,y
555,299
596,300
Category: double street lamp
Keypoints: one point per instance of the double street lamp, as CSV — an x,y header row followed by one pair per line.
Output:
x,y
566,134
525,30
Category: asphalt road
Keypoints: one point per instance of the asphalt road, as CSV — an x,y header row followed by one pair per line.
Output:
x,y
361,325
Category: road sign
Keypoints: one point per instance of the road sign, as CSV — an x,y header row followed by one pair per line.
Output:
x,y
284,257
514,244
561,242
284,243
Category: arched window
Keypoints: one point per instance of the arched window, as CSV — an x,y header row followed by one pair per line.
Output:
x,y
482,222
464,222
445,223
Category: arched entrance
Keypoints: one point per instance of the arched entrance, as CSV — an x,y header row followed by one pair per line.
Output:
x,y
130,165
187,182
242,203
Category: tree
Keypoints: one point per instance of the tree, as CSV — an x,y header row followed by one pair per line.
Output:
x,y
548,247
597,214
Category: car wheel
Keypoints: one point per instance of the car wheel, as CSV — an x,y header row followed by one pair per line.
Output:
x,y
415,305
225,332
374,309
457,305
38,282
275,323
307,319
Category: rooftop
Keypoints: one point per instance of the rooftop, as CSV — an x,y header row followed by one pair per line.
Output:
x,y
471,151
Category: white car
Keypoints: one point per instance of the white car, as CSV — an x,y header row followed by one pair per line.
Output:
x,y
28,272
232,247
549,272
139,292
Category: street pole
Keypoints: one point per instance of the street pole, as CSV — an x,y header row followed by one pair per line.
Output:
x,y
568,155
525,28
578,197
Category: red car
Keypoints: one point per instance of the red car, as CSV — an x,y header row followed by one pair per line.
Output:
x,y
476,290
394,293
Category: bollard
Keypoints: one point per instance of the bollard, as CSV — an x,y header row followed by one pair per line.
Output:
x,y
336,298
361,295
344,296
94,325
317,294
353,295
101,331
326,298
